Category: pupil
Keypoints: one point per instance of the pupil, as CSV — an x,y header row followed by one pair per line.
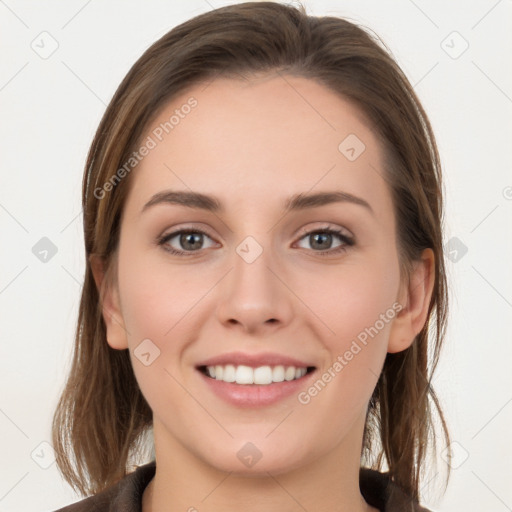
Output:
x,y
321,236
190,245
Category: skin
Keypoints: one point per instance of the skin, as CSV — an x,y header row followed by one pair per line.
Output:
x,y
253,144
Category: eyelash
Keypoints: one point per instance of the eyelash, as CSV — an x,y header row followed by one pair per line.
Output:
x,y
347,241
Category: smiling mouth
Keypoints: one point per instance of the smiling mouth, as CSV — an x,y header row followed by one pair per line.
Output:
x,y
261,375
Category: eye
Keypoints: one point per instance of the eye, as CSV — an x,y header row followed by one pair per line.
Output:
x,y
322,238
192,241
189,239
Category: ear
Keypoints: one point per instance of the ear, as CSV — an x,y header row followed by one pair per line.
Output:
x,y
110,305
415,299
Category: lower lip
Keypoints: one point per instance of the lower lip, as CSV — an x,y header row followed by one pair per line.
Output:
x,y
254,395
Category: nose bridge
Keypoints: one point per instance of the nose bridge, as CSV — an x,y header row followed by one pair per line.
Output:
x,y
251,264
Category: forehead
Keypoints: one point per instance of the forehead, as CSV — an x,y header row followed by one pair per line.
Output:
x,y
268,137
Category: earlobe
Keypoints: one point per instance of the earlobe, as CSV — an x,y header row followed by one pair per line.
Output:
x,y
415,300
110,305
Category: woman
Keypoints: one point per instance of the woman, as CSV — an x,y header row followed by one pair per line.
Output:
x,y
265,289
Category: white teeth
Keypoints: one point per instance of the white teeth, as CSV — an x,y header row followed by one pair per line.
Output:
x,y
289,374
229,373
262,375
243,375
278,374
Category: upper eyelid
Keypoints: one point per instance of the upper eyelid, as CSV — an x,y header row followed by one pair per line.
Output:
x,y
328,227
304,231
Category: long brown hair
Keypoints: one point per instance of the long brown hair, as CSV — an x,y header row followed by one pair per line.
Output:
x,y
102,417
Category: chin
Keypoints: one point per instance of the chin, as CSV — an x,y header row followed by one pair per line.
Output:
x,y
254,458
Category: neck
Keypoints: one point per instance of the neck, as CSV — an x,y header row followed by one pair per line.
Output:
x,y
183,482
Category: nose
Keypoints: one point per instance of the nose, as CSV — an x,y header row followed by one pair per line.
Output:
x,y
254,297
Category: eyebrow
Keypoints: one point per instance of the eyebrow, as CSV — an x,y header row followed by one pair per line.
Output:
x,y
296,202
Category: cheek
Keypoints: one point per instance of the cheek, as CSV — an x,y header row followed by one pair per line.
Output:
x,y
351,299
160,307
165,304
358,307
158,299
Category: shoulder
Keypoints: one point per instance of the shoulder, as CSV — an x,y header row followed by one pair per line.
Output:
x,y
125,495
381,492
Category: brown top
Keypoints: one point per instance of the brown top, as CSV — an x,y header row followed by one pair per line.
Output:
x,y
126,496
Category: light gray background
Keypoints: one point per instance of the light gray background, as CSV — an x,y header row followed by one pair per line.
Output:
x,y
50,108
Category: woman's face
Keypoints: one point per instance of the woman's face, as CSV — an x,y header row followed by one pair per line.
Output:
x,y
258,288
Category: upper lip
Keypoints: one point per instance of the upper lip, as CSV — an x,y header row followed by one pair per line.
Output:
x,y
254,360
